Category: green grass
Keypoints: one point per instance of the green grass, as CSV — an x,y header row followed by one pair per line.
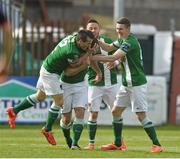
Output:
x,y
26,141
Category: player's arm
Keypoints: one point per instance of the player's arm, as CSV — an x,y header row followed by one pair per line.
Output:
x,y
71,71
96,68
118,55
106,46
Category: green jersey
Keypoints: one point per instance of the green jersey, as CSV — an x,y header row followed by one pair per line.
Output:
x,y
65,53
109,77
132,68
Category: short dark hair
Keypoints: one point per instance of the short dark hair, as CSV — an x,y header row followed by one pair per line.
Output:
x,y
124,21
84,34
92,21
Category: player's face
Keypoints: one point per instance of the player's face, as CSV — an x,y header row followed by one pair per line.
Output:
x,y
86,45
94,27
122,30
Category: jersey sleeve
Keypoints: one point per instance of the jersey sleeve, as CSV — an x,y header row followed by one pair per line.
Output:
x,y
116,44
126,46
108,41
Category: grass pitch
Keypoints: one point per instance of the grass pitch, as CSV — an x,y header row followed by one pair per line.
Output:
x,y
26,141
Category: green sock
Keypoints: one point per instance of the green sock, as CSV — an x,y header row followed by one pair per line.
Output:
x,y
77,130
149,128
52,116
28,102
66,132
117,127
92,127
67,136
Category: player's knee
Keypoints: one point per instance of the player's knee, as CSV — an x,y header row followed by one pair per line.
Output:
x,y
40,96
93,116
141,115
60,102
79,112
65,125
58,99
117,111
66,119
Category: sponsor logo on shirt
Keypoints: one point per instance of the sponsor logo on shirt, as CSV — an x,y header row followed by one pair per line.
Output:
x,y
75,59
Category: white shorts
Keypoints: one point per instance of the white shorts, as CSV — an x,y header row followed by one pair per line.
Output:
x,y
98,94
75,95
49,82
136,97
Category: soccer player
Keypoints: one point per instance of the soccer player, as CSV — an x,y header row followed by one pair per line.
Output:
x,y
67,53
75,98
134,84
104,90
74,95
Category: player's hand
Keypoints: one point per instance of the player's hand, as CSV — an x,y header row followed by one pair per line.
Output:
x,y
91,51
110,65
98,78
94,42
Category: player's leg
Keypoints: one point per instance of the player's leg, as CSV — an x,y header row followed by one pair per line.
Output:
x,y
94,100
117,124
66,113
51,85
139,106
122,101
150,130
53,111
117,129
79,103
109,98
92,128
65,124
28,102
78,125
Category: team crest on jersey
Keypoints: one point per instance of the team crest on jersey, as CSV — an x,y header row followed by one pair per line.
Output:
x,y
125,47
75,59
